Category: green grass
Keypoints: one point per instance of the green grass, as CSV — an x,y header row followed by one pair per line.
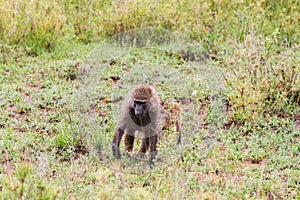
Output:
x,y
241,137
42,25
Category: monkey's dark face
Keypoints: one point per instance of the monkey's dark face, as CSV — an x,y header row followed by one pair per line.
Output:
x,y
140,108
140,113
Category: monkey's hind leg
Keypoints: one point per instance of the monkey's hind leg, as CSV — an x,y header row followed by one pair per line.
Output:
x,y
143,148
178,129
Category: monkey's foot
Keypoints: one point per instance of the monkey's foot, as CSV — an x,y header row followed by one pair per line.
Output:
x,y
129,153
141,156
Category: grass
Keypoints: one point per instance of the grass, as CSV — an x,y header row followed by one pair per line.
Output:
x,y
241,136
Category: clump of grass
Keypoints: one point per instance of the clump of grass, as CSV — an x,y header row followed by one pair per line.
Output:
x,y
36,24
263,84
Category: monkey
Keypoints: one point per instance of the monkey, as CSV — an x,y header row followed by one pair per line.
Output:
x,y
140,112
171,113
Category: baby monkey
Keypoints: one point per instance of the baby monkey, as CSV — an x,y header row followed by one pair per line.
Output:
x,y
171,113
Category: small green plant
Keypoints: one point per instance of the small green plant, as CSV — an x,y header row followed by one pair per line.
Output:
x,y
23,185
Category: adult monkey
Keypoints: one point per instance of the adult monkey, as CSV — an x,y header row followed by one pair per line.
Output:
x,y
140,112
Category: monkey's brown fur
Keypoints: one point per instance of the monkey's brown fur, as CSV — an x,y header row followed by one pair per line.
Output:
x,y
172,115
147,123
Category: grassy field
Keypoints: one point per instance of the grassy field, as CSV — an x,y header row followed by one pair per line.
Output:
x,y
233,66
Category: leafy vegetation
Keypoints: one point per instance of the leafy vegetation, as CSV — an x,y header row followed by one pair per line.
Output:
x,y
241,133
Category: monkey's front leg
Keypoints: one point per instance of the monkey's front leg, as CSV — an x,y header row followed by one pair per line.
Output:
x,y
129,141
116,142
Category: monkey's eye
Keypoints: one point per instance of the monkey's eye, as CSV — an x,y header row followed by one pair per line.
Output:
x,y
144,107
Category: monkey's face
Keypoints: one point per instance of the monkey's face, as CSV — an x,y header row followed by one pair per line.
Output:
x,y
140,108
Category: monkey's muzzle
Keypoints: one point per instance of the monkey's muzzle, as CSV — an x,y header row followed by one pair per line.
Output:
x,y
139,112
